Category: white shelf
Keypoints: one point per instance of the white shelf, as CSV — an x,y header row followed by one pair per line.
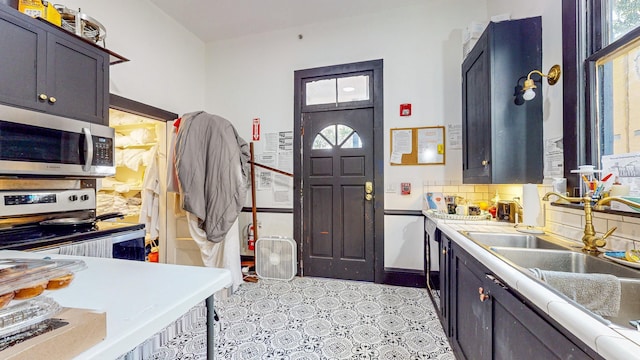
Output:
x,y
137,146
130,127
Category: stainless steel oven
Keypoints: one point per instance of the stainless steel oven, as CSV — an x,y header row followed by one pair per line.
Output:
x,y
39,144
29,208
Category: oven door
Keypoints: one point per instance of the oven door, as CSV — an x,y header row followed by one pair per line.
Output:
x,y
33,143
129,245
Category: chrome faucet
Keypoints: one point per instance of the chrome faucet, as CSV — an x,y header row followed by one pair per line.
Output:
x,y
589,239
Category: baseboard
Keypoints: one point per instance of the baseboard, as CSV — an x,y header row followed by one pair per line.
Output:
x,y
404,277
434,277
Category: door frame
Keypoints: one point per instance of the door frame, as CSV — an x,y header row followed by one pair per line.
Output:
x,y
375,66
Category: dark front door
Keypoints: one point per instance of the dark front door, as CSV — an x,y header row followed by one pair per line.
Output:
x,y
338,214
338,208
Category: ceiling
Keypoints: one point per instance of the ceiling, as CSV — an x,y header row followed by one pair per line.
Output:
x,y
213,20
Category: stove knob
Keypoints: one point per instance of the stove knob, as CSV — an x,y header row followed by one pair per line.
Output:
x,y
73,198
84,197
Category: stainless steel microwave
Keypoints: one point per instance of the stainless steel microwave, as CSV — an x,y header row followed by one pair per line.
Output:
x,y
34,143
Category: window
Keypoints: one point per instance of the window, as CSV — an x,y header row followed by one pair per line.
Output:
x,y
338,90
338,135
620,17
600,47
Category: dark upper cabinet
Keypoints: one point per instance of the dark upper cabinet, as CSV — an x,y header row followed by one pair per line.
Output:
x,y
502,142
47,69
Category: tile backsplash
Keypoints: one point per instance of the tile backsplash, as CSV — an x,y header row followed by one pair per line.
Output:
x,y
561,221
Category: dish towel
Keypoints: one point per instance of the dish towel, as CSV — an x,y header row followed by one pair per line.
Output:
x,y
102,248
599,293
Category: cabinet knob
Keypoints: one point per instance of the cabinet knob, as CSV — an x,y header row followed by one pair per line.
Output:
x,y
444,251
52,100
43,96
485,162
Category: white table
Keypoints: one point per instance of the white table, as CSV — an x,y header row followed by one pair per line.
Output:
x,y
139,298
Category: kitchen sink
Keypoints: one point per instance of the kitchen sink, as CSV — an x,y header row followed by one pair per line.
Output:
x,y
491,239
629,302
564,260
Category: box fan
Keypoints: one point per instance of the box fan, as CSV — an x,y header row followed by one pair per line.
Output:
x,y
276,258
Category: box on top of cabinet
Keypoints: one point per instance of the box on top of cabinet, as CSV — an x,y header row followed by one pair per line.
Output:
x,y
40,8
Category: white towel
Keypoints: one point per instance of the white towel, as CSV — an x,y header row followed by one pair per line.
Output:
x,y
599,293
102,248
224,254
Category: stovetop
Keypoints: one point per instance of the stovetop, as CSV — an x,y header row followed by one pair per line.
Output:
x,y
26,237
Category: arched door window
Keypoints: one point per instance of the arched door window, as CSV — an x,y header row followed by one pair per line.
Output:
x,y
337,135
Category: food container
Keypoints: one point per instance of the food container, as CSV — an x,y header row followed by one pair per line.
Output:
x,y
26,278
42,9
20,317
474,210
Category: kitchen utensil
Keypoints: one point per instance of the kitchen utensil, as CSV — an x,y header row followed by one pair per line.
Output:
x,y
71,221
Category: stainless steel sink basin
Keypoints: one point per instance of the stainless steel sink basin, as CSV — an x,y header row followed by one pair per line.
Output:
x,y
564,260
629,303
512,240
577,262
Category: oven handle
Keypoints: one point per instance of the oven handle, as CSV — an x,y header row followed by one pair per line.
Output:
x,y
127,235
88,142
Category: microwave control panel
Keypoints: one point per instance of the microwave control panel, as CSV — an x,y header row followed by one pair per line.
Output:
x,y
102,151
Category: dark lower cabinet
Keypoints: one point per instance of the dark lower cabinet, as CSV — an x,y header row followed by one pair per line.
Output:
x,y
443,251
47,69
470,316
485,319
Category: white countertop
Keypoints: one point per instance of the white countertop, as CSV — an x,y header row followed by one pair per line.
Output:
x,y
610,341
139,298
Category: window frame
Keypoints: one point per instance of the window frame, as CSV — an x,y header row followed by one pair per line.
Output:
x,y
582,47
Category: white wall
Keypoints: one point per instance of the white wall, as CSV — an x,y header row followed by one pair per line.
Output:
x,y
421,47
166,61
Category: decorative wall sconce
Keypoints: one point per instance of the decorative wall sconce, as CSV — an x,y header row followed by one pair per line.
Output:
x,y
529,85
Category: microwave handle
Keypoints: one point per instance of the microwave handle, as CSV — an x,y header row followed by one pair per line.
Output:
x,y
88,142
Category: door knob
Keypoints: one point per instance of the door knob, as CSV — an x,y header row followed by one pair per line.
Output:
x,y
368,187
368,190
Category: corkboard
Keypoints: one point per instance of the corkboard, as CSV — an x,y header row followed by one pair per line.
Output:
x,y
417,146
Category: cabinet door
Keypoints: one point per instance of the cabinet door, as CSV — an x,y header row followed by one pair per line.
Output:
x,y
520,333
476,114
470,315
76,80
22,54
443,268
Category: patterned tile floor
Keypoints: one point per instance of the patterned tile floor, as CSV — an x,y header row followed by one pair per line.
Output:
x,y
314,318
